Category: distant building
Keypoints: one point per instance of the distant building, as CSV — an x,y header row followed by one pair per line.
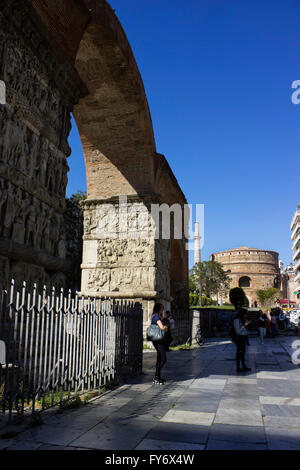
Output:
x,y
251,268
295,228
288,283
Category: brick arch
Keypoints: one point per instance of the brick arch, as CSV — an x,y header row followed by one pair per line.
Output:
x,y
113,120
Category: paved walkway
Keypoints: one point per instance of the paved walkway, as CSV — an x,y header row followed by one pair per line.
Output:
x,y
204,405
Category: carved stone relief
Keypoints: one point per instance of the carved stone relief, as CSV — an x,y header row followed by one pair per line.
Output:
x,y
131,279
118,264
127,252
98,280
4,272
28,221
106,219
32,274
34,128
121,280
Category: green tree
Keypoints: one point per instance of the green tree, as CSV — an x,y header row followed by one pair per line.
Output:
x,y
209,278
76,198
266,297
238,297
192,285
73,217
193,299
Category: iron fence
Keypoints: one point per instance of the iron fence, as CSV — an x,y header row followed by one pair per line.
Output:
x,y
181,332
54,345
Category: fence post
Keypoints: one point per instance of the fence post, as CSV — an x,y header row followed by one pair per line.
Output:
x,y
3,337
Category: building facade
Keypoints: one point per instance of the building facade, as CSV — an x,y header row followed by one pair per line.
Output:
x,y
250,268
295,228
288,283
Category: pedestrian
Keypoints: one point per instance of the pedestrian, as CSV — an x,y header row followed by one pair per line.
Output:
x,y
273,324
168,339
160,346
261,323
169,322
282,320
240,325
268,324
298,329
171,319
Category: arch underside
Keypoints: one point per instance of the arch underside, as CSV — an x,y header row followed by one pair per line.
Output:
x,y
113,121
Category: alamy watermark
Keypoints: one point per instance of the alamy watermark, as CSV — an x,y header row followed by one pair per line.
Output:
x,y
134,220
296,94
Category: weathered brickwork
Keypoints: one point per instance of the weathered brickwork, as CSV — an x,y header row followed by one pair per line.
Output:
x,y
260,266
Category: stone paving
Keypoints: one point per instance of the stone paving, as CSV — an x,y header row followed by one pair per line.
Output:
x,y
205,404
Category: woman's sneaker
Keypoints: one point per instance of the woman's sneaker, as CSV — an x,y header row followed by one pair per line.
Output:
x,y
158,381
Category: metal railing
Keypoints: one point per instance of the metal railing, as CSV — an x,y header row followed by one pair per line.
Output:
x,y
54,345
181,334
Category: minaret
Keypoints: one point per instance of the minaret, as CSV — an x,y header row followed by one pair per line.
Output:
x,y
197,255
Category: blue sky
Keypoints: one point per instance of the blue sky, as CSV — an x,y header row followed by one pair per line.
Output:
x,y
218,77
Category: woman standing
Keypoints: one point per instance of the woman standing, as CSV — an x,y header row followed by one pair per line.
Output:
x,y
240,326
261,323
160,346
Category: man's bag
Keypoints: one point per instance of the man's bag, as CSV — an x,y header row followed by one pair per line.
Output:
x,y
154,333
